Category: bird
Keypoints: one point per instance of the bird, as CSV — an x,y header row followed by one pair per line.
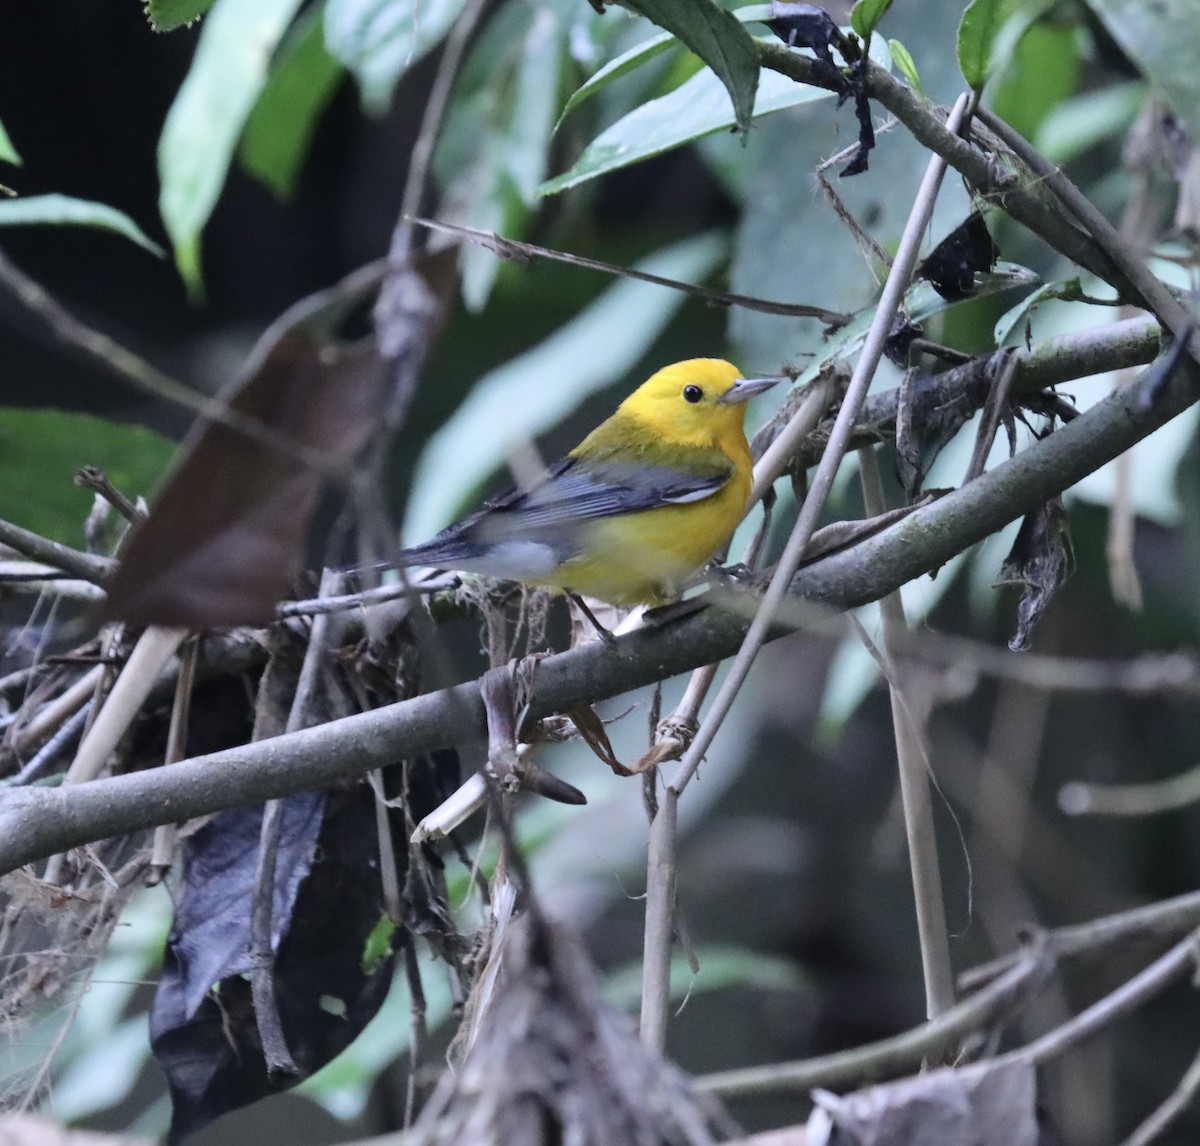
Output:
x,y
628,515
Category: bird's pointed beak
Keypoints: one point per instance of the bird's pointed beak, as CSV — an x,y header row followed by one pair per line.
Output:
x,y
744,389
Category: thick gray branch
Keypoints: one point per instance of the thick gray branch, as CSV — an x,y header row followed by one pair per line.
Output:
x,y
39,822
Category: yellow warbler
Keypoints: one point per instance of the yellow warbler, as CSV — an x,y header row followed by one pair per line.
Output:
x,y
633,510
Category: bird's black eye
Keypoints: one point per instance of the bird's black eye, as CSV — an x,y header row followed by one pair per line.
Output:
x,y
692,393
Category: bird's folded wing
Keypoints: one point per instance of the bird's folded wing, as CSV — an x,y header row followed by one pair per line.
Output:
x,y
543,522
577,491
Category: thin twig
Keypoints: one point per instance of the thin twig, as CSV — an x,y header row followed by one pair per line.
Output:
x,y
86,566
1153,980
1150,799
893,1055
1004,366
660,922
136,371
913,763
822,483
262,976
512,249
1172,1107
1151,291
162,850
839,438
1164,919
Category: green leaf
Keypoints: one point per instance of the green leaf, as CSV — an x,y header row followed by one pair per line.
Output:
x,y
8,153
532,392
1042,72
379,40
1066,290
167,15
906,65
202,128
280,129
721,967
866,14
977,32
1161,38
716,36
693,110
63,210
641,54
493,154
40,451
1078,124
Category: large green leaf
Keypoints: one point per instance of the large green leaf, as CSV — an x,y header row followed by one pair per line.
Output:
x,y
719,39
379,40
977,34
166,15
8,153
207,117
1042,72
643,53
528,395
302,82
866,14
1162,38
40,452
63,210
696,108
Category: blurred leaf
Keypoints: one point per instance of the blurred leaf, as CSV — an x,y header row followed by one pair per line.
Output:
x,y
716,36
720,968
40,451
202,128
379,40
8,153
529,394
1043,71
693,110
1161,40
224,539
905,64
63,210
641,54
977,33
493,153
280,128
1076,125
1068,290
866,14
167,15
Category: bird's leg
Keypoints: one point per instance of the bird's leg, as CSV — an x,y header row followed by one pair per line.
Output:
x,y
601,631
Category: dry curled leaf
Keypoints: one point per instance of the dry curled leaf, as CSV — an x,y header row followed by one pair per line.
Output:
x,y
224,540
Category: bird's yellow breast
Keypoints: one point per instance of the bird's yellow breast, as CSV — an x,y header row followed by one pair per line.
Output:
x,y
644,558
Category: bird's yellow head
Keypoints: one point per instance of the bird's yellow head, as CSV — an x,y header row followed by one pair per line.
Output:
x,y
702,400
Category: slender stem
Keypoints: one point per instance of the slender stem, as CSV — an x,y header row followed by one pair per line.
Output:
x,y
914,786
1172,1107
1150,291
660,922
839,440
888,1056
86,566
1126,998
